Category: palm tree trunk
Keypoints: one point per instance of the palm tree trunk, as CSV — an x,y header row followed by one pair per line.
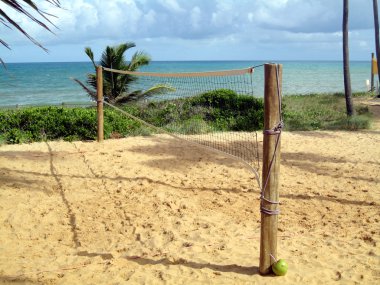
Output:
x,y
377,38
346,62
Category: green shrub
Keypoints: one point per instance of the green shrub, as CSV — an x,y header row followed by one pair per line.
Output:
x,y
36,124
17,136
189,127
230,111
220,110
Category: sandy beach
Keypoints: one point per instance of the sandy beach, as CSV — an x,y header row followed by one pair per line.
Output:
x,y
155,210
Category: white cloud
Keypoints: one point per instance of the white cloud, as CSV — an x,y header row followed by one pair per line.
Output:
x,y
254,23
149,18
89,19
195,17
171,5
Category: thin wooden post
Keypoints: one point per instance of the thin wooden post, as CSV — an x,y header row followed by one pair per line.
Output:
x,y
268,237
99,89
372,74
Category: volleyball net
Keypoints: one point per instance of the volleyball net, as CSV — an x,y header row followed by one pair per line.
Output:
x,y
216,110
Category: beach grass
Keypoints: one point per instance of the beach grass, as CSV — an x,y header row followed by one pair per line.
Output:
x,y
324,112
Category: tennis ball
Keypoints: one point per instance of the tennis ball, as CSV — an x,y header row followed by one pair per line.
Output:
x,y
280,267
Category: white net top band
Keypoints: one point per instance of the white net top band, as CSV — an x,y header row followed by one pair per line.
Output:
x,y
185,74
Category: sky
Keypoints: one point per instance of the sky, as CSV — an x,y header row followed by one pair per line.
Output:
x,y
195,30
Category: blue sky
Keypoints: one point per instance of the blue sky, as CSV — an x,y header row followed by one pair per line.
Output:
x,y
197,30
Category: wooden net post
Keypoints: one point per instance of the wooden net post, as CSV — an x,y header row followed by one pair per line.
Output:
x,y
99,91
269,217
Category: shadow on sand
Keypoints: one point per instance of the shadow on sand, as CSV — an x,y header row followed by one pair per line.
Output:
x,y
195,265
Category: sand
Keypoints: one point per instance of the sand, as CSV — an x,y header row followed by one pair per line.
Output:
x,y
154,210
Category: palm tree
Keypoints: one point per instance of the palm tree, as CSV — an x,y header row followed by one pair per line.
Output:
x,y
27,11
377,38
346,62
116,86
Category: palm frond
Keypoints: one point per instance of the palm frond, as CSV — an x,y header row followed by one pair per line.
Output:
x,y
4,44
91,80
107,58
121,49
90,92
140,58
128,97
136,95
16,5
17,26
90,54
158,89
3,63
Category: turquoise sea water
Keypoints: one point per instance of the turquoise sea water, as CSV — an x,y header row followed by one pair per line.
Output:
x,y
51,83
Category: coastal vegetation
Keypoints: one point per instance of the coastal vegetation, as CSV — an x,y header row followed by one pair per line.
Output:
x,y
117,87
324,112
221,110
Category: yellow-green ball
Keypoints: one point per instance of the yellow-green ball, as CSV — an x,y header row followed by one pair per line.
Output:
x,y
280,267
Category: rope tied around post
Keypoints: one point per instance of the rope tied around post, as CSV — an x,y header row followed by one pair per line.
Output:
x,y
276,130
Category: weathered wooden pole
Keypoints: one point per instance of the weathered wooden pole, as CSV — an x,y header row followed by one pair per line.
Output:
x,y
377,39
270,171
99,90
372,73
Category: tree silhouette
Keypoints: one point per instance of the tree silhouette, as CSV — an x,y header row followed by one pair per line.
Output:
x,y
377,38
346,61
117,87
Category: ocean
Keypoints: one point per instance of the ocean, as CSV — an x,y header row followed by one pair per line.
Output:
x,y
51,83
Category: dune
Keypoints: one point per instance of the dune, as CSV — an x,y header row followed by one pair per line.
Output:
x,y
155,210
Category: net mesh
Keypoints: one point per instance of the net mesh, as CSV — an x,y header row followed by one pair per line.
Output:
x,y
216,110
